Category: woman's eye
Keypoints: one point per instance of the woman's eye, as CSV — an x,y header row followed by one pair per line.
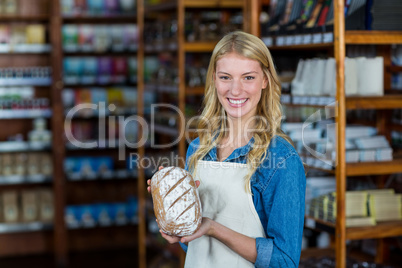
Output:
x,y
224,77
249,77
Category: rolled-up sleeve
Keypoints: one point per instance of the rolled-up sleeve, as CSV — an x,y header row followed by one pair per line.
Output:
x,y
282,200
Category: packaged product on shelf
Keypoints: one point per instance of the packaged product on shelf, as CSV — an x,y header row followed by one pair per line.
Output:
x,y
115,97
71,216
80,7
67,7
118,36
90,70
11,212
119,70
132,69
371,76
10,7
103,166
131,37
29,206
101,214
102,40
39,133
86,216
118,213
46,205
112,7
72,70
18,34
68,97
6,165
20,160
83,96
127,6
86,38
46,166
95,7
99,96
70,37
5,35
130,98
104,70
35,34
131,132
33,164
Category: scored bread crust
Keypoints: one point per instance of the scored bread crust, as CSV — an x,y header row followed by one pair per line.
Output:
x,y
177,205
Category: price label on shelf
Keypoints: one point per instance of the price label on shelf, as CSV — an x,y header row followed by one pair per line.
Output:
x,y
298,39
310,223
280,41
317,38
268,41
307,39
290,40
328,37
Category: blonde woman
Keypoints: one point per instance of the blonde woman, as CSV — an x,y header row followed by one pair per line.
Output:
x,y
252,181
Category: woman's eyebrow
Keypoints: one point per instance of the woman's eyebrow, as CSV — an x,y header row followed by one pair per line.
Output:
x,y
250,72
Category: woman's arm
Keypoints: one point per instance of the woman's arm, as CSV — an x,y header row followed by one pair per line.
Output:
x,y
239,243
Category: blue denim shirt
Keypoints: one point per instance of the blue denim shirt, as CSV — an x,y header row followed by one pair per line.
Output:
x,y
278,187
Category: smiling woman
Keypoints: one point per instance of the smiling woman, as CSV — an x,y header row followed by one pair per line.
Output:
x,y
253,211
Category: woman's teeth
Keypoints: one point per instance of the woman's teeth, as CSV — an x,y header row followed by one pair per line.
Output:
x,y
237,101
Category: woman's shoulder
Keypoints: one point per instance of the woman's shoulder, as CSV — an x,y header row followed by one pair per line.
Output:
x,y
193,146
280,146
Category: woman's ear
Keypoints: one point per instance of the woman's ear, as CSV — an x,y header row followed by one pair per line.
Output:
x,y
265,82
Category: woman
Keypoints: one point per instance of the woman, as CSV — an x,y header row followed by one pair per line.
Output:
x,y
252,181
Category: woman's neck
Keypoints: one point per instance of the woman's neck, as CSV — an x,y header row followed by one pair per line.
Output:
x,y
239,133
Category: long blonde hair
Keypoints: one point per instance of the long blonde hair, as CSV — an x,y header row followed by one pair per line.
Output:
x,y
212,127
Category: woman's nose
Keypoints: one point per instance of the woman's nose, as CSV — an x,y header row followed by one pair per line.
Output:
x,y
236,87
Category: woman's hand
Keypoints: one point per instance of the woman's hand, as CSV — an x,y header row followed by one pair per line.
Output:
x,y
206,228
149,181
197,183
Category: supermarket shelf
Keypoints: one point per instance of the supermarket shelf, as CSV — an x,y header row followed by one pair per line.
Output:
x,y
393,101
22,146
30,179
381,230
304,46
95,114
87,145
161,88
170,131
106,53
394,69
104,19
166,6
213,3
27,18
25,49
111,175
374,168
25,114
40,81
24,227
199,46
161,47
373,37
195,91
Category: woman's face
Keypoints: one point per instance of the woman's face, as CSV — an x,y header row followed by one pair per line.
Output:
x,y
239,82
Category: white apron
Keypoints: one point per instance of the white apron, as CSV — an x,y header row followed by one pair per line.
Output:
x,y
224,200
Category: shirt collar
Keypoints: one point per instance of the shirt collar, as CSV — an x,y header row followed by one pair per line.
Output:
x,y
241,151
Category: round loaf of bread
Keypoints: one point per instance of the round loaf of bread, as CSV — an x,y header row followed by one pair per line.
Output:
x,y
177,205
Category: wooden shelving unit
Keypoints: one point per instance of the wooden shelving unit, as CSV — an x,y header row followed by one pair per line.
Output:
x,y
382,104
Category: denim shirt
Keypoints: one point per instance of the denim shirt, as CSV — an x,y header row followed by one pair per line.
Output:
x,y
278,189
